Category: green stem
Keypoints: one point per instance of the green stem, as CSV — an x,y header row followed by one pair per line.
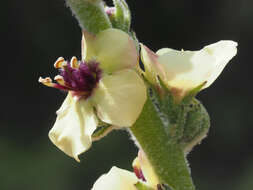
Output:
x,y
166,157
90,15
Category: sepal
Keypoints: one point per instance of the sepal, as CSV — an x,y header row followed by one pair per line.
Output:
x,y
191,94
196,126
186,121
101,131
121,17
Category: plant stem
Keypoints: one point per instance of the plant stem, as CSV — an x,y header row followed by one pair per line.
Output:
x,y
166,157
90,15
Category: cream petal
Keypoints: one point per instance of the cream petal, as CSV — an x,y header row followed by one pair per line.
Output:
x,y
151,65
74,126
223,51
189,69
87,45
116,179
112,48
120,97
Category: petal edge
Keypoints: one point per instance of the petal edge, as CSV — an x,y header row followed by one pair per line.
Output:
x,y
74,126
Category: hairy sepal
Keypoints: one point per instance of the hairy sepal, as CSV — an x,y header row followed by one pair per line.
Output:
x,y
121,19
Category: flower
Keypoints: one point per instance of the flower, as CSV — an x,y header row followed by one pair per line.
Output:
x,y
122,179
182,70
102,85
116,179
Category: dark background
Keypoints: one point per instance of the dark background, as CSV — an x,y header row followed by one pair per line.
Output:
x,y
36,32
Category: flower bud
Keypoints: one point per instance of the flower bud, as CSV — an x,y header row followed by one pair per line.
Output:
x,y
120,15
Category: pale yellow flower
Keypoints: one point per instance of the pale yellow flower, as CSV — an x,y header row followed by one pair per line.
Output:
x,y
116,179
122,179
102,85
182,70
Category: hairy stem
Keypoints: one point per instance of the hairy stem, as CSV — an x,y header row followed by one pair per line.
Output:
x,y
90,14
166,157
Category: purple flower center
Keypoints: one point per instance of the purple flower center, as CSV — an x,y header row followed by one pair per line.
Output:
x,y
81,80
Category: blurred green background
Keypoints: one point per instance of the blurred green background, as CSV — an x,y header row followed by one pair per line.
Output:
x,y
36,32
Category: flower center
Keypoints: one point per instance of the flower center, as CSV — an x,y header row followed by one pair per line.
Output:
x,y
79,77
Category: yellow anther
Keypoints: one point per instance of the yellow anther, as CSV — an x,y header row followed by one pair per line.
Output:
x,y
46,81
74,62
59,80
59,63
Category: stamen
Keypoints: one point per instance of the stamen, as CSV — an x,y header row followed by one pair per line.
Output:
x,y
47,81
80,78
60,63
59,80
74,62
61,84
